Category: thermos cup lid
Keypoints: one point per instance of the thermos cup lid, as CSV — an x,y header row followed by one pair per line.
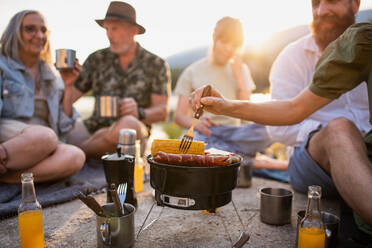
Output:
x,y
113,158
127,136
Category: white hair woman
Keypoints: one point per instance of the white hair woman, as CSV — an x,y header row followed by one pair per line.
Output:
x,y
35,108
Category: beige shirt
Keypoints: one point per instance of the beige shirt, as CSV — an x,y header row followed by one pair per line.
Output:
x,y
221,77
41,112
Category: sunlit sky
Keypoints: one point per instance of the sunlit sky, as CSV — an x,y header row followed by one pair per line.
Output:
x,y
171,25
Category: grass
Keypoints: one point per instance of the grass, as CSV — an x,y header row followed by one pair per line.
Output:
x,y
172,130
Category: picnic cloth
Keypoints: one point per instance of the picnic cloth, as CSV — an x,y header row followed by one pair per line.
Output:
x,y
90,178
281,176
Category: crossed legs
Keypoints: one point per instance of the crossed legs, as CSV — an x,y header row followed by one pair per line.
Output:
x,y
106,139
36,149
340,150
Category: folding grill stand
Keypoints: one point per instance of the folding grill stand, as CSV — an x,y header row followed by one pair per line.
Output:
x,y
244,237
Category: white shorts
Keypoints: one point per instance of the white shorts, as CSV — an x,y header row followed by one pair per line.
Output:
x,y
11,128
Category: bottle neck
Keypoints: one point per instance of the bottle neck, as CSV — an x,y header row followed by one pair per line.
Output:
x,y
138,149
28,192
313,208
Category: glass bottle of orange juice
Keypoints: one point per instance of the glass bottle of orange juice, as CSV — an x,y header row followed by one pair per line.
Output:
x,y
138,169
30,218
311,232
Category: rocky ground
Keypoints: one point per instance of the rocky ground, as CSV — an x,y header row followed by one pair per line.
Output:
x,y
74,225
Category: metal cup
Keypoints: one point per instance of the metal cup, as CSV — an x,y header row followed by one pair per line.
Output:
x,y
115,231
65,58
331,223
108,106
245,174
276,206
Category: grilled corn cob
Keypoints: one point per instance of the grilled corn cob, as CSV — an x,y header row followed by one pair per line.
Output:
x,y
172,145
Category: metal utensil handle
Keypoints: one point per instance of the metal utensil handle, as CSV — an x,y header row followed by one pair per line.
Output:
x,y
237,213
142,228
224,226
244,237
91,203
115,198
95,205
206,92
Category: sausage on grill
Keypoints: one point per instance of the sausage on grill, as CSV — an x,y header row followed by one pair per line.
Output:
x,y
196,160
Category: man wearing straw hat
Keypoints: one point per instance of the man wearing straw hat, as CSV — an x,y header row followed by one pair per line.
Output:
x,y
139,78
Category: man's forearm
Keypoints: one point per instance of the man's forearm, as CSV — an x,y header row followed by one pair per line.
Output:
x,y
267,113
283,112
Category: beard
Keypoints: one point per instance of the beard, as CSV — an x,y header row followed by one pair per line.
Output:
x,y
120,48
326,29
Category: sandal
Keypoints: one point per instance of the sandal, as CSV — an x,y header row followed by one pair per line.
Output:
x,y
3,159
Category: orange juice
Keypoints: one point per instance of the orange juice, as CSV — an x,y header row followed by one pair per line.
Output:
x,y
138,178
138,169
31,229
311,237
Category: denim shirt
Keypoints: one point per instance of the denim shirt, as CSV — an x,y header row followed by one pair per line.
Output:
x,y
17,100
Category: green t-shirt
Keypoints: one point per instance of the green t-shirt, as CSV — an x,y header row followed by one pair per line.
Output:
x,y
345,64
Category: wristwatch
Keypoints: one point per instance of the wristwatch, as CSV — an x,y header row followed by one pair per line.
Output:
x,y
141,113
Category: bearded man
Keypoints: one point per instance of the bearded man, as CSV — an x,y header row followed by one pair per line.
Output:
x,y
292,72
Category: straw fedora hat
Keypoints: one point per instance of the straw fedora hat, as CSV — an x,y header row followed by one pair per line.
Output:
x,y
121,11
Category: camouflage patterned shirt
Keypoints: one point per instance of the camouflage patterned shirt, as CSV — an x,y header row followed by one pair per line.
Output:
x,y
146,74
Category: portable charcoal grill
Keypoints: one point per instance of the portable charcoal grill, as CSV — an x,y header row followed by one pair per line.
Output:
x,y
194,188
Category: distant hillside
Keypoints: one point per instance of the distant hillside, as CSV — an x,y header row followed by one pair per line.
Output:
x,y
364,16
181,60
185,58
260,61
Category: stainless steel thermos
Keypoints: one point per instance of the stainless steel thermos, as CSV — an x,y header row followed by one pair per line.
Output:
x,y
127,141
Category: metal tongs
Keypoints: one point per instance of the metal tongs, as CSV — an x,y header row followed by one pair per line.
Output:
x,y
189,136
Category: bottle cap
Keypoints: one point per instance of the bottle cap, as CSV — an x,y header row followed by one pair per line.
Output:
x,y
28,176
314,191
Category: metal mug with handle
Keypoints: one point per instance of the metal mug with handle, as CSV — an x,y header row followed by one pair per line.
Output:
x,y
65,59
115,231
108,106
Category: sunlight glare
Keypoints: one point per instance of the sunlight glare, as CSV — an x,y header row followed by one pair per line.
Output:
x,y
171,26
264,18
260,97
